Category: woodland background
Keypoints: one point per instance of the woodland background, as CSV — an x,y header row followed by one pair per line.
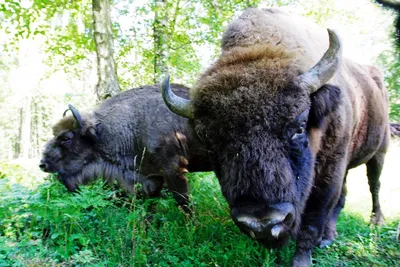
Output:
x,y
48,52
78,51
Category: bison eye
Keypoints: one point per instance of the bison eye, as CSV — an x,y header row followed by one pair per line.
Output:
x,y
65,138
299,132
66,141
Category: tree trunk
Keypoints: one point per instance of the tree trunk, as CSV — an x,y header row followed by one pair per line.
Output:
x,y
26,128
22,145
107,84
17,147
35,143
160,35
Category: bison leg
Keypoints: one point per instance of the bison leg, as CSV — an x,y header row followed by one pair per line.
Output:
x,y
177,182
324,197
153,185
178,185
302,258
330,232
172,156
374,169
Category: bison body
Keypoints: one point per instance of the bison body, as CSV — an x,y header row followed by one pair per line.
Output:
x,y
131,137
284,117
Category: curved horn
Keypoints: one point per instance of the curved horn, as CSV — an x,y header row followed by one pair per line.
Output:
x,y
176,104
326,67
65,112
76,114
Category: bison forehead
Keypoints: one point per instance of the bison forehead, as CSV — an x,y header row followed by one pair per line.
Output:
x,y
66,123
248,107
249,75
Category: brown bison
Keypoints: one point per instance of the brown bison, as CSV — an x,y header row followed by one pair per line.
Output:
x,y
131,137
284,117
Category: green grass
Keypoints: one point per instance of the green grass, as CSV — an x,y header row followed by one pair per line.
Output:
x,y
43,225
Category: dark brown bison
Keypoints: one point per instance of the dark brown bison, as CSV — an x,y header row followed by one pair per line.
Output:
x,y
131,137
284,117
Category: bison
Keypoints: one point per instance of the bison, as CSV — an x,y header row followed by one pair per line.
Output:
x,y
131,138
284,117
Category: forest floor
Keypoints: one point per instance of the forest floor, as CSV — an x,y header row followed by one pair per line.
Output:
x,y
41,224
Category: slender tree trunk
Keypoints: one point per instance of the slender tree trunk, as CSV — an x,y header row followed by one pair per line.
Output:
x,y
160,35
10,150
35,130
107,84
22,145
26,128
17,147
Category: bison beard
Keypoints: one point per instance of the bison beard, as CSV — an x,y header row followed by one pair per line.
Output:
x,y
130,138
282,135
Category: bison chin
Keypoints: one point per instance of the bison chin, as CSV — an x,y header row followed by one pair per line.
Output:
x,y
275,243
265,238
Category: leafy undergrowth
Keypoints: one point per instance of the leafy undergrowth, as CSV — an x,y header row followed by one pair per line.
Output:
x,y
47,226
361,244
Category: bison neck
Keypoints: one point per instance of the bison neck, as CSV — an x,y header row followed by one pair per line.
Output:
x,y
107,171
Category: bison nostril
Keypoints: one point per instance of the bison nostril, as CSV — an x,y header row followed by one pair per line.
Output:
x,y
289,219
42,166
250,223
285,211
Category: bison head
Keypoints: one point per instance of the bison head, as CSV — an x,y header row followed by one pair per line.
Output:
x,y
259,118
71,149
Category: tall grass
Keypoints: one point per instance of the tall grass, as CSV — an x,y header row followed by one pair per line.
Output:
x,y
41,224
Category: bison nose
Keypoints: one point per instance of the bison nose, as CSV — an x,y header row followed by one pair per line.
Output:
x,y
271,222
43,165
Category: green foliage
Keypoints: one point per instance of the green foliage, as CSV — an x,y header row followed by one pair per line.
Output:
x,y
391,66
360,245
47,226
61,34
57,22
321,11
193,30
43,225
94,227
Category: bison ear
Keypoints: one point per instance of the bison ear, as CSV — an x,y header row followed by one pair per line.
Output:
x,y
323,102
93,131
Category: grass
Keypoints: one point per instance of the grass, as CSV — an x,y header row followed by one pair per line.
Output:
x,y
43,225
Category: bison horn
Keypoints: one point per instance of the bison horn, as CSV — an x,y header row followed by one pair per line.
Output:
x,y
65,112
76,114
326,67
176,104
